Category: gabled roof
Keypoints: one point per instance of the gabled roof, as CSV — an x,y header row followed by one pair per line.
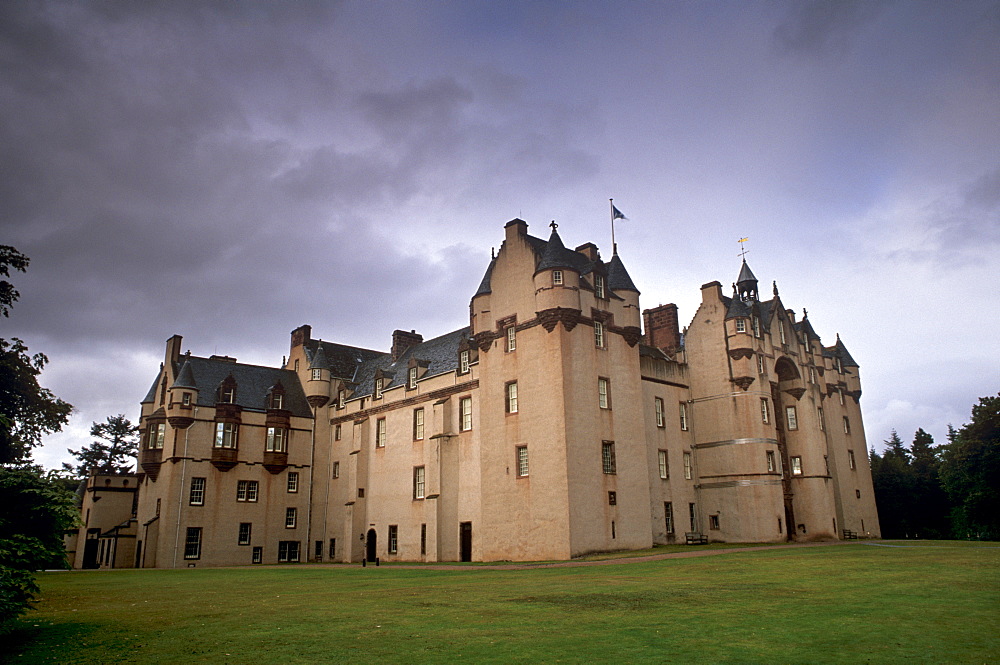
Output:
x,y
342,360
484,286
838,350
806,327
253,382
439,354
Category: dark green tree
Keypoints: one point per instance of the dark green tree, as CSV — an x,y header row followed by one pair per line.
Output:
x,y
27,411
930,504
113,452
893,483
970,472
35,513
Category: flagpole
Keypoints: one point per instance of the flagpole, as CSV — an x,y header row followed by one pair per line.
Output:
x,y
614,245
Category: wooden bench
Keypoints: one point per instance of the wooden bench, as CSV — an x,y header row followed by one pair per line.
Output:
x,y
850,535
693,538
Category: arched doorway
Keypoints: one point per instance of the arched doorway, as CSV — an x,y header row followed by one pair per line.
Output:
x,y
371,546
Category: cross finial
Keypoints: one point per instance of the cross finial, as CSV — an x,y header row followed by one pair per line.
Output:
x,y
743,250
554,225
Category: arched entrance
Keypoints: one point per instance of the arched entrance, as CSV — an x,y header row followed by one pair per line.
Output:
x,y
789,381
371,546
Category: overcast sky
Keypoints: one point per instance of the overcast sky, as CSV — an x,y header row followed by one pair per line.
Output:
x,y
228,171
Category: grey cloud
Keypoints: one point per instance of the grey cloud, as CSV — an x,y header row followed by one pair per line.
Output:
x,y
821,26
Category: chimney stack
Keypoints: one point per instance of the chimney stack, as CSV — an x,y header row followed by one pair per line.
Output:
x,y
402,340
662,330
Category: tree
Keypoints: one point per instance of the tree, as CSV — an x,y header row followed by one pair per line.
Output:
x,y
35,512
117,445
27,411
893,483
929,503
970,472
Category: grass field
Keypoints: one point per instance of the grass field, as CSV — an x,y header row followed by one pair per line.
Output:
x,y
848,603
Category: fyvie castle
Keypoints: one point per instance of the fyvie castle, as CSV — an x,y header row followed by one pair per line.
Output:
x,y
563,420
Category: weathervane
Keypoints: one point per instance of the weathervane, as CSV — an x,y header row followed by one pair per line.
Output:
x,y
743,250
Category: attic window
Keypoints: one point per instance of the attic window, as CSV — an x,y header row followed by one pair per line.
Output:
x,y
227,393
277,400
412,378
341,398
599,290
557,277
463,362
378,387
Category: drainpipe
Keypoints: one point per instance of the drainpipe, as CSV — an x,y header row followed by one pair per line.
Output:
x,y
180,493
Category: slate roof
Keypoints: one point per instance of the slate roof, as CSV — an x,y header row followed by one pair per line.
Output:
x,y
618,277
343,361
736,308
484,286
253,383
555,255
806,327
746,275
440,354
839,350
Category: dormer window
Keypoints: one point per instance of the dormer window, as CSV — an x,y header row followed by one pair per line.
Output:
x,y
599,289
741,325
463,362
412,378
557,277
317,374
227,394
840,367
277,401
378,387
341,398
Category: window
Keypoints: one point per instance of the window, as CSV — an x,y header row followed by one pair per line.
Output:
x,y
812,375
245,530
412,378
423,539
847,425
796,463
333,548
418,482
684,416
157,433
465,414
668,516
857,494
225,435
826,463
380,433
599,334
257,555
511,338
772,464
840,367
612,498
378,387
318,550
393,538
781,331
291,517
296,365
688,473
557,277
512,397
741,325
822,423
277,440
764,414
317,374
603,399
756,327
337,432
662,462
608,457
288,551
186,399
463,362
197,496
361,492
713,522
522,461
293,481
599,286
246,490
418,424
850,460
760,364
790,417
840,396
336,469
192,543
227,394
341,398
658,410
692,517
277,401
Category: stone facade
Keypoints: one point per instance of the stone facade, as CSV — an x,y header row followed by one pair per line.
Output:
x,y
550,427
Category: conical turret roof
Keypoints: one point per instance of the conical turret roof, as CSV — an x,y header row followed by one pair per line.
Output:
x,y
618,277
185,378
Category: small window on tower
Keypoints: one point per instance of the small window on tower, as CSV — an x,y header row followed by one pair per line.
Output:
x,y
557,277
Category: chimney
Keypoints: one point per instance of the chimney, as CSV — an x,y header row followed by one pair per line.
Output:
x,y
402,340
173,350
301,335
661,326
590,251
711,291
515,227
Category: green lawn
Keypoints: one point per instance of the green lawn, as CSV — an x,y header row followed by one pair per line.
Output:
x,y
853,603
